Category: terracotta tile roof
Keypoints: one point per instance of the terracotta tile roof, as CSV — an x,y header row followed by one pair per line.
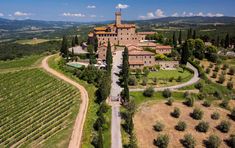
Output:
x,y
100,28
147,44
140,53
163,47
126,26
105,32
136,62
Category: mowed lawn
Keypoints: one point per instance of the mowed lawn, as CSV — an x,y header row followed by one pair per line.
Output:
x,y
21,63
36,109
167,74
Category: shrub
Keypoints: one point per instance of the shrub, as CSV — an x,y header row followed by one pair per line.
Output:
x,y
206,103
216,68
221,79
199,85
162,141
224,103
197,114
231,71
232,115
218,94
132,80
186,94
166,93
213,142
208,70
230,85
179,79
154,81
181,126
231,141
202,126
171,79
148,92
189,141
189,101
145,81
211,65
214,75
158,127
224,126
225,66
176,112
215,116
201,96
170,101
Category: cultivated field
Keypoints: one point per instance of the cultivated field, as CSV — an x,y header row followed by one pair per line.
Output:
x,y
36,109
149,114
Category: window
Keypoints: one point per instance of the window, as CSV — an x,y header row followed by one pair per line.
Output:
x,y
121,38
127,38
149,62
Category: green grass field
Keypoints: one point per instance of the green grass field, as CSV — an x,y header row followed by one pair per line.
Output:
x,y
167,74
21,63
31,41
92,109
36,109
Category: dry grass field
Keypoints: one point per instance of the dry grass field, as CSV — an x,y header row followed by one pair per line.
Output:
x,y
149,113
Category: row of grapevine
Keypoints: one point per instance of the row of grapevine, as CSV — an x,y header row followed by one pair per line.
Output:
x,y
33,107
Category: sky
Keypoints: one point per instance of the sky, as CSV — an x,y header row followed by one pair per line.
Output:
x,y
101,10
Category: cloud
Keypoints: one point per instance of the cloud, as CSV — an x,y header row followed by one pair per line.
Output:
x,y
18,13
122,6
91,6
73,14
1,14
92,15
189,14
150,15
159,13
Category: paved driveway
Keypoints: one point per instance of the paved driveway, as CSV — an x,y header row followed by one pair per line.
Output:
x,y
115,92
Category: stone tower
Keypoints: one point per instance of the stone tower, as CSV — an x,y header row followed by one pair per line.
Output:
x,y
118,17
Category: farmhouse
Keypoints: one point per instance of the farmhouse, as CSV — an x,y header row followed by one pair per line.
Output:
x,y
141,59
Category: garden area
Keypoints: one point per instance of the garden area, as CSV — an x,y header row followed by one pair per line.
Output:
x,y
160,78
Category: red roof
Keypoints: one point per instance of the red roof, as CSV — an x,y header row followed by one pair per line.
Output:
x,y
163,47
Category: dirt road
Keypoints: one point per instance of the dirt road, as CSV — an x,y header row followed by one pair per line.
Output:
x,y
75,139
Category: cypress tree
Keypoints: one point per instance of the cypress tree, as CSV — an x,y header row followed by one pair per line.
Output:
x,y
194,34
189,36
76,40
72,52
180,37
125,73
100,139
218,41
73,41
227,41
64,47
95,44
185,53
174,40
109,58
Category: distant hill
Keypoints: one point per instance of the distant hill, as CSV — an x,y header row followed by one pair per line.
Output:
x,y
190,20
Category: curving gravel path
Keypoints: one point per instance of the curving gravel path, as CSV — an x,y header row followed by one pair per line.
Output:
x,y
194,79
75,139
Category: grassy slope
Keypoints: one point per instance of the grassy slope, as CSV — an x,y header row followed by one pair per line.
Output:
x,y
92,108
21,63
166,74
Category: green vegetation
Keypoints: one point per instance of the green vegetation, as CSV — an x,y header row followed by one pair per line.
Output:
x,y
167,74
189,141
32,41
158,126
88,131
20,63
36,107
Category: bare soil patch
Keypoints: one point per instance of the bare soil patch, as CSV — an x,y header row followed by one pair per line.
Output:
x,y
149,113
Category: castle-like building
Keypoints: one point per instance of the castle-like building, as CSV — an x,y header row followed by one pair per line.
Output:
x,y
118,33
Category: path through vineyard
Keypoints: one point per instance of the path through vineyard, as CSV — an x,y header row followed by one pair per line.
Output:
x,y
75,140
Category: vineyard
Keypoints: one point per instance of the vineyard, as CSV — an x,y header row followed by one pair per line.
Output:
x,y
35,107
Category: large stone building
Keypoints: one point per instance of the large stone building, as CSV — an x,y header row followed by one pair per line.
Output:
x,y
118,33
